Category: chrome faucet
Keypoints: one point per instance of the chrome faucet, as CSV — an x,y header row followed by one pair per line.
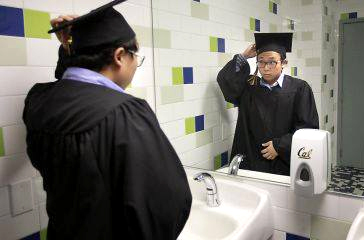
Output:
x,y
212,196
235,163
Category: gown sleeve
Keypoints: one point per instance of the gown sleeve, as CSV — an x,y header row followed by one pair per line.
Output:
x,y
156,197
305,116
233,82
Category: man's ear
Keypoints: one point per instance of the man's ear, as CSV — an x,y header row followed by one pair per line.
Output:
x,y
119,55
284,63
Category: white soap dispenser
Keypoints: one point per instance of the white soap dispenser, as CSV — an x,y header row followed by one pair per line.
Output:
x,y
310,158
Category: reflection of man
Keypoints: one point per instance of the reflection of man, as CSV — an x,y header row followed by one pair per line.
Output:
x,y
271,108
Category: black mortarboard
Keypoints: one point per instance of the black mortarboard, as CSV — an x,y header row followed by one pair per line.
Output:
x,y
277,42
98,28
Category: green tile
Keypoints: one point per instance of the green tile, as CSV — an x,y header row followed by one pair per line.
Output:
x,y
328,228
217,162
204,137
190,125
162,38
213,44
252,24
43,234
15,52
200,10
344,16
270,6
2,148
229,105
36,24
171,94
144,35
177,75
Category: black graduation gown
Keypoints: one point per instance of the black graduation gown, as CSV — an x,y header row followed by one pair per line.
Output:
x,y
108,169
266,115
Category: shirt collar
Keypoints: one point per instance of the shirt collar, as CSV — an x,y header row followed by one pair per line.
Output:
x,y
89,76
278,82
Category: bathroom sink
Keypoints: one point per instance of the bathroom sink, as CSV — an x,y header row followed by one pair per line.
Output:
x,y
245,212
356,231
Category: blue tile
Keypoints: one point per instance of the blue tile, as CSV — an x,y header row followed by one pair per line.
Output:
x,y
257,25
275,8
34,236
224,158
11,21
187,75
199,123
353,15
295,71
221,45
295,237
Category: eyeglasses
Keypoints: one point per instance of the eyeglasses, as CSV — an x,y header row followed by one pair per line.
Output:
x,y
270,64
140,59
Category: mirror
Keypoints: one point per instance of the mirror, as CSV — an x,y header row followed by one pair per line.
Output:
x,y
193,40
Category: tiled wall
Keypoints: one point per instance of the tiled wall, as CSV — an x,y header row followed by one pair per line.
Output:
x,y
28,55
332,13
194,39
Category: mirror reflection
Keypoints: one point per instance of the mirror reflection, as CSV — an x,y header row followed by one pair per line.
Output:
x,y
200,45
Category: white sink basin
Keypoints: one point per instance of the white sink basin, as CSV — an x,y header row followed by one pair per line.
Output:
x,y
356,231
245,212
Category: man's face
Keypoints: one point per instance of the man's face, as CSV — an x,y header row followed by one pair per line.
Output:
x,y
270,66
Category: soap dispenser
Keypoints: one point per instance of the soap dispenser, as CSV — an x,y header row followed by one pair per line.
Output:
x,y
310,158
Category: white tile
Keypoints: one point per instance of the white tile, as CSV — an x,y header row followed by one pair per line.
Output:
x,y
40,195
143,77
198,155
206,165
135,14
20,226
19,80
174,129
4,201
212,119
50,6
190,24
292,222
15,169
21,197
163,76
36,54
325,205
348,207
167,20
82,6
194,91
278,235
11,110
217,133
278,193
14,139
43,216
185,143
12,3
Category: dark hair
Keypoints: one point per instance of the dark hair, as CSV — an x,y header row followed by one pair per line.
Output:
x,y
96,59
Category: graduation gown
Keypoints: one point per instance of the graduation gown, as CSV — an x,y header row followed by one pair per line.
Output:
x,y
108,169
266,115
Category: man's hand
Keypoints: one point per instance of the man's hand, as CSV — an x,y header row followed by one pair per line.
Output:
x,y
63,35
269,152
250,52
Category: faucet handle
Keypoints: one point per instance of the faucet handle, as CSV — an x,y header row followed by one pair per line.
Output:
x,y
201,176
235,163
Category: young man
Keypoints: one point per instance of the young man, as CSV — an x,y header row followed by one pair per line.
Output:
x,y
271,108
108,169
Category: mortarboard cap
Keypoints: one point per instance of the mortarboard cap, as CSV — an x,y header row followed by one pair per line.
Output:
x,y
277,42
98,28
